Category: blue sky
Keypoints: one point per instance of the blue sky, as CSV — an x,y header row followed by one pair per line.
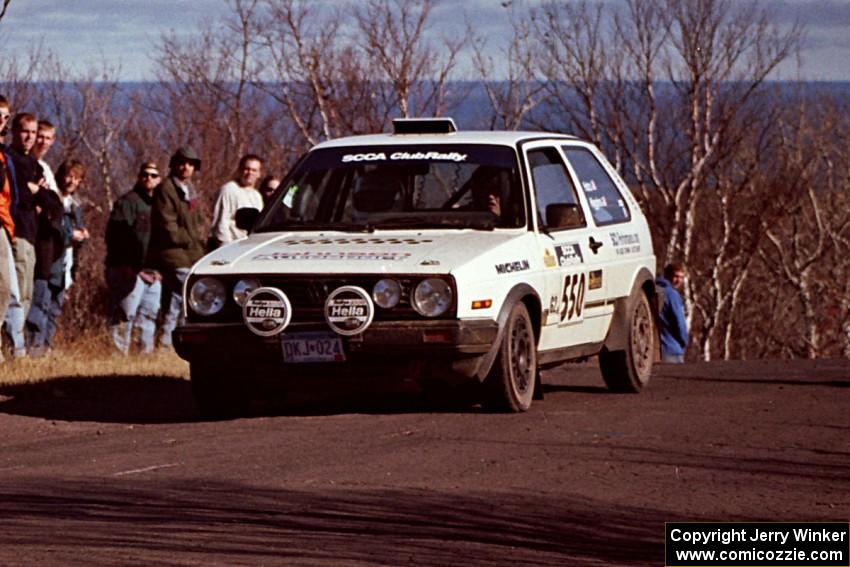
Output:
x,y
87,33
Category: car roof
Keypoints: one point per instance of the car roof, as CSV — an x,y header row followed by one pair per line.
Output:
x,y
498,138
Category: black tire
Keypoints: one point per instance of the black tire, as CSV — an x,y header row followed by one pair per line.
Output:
x,y
211,398
629,370
510,384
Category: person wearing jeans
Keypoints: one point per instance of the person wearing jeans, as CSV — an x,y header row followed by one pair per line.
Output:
x,y
136,308
172,281
60,232
8,278
135,288
28,182
177,240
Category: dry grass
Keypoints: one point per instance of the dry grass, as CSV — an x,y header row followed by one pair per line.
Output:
x,y
91,357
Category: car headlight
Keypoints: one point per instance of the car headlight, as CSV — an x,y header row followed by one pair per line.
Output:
x,y
243,288
432,297
207,296
386,293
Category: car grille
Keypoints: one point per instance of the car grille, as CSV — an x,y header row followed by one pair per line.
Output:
x,y
308,294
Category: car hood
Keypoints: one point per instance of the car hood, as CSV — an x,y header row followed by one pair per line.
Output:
x,y
427,252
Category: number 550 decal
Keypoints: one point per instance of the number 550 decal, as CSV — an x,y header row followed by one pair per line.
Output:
x,y
572,301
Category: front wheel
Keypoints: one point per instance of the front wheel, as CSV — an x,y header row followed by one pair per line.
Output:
x,y
629,370
510,384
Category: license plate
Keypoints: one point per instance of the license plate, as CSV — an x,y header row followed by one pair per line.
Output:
x,y
312,347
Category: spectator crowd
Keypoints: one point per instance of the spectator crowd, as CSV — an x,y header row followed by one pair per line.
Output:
x,y
153,237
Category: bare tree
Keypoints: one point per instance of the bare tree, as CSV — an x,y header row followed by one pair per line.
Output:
x,y
519,90
90,113
739,210
806,246
393,37
301,44
206,94
840,276
699,64
101,126
236,51
19,77
715,57
574,62
724,56
333,79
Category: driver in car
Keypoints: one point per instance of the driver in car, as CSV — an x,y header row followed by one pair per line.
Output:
x,y
487,198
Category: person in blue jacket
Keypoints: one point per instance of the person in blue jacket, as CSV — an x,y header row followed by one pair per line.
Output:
x,y
673,327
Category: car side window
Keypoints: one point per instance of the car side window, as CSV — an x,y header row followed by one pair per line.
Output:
x,y
607,205
552,184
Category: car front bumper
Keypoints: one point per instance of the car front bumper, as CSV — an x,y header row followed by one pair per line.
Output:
x,y
233,343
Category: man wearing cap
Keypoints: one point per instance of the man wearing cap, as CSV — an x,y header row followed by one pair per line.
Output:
x,y
177,239
134,287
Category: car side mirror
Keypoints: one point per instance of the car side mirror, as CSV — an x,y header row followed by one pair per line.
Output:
x,y
246,218
564,215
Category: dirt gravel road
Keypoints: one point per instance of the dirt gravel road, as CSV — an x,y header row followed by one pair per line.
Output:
x,y
120,471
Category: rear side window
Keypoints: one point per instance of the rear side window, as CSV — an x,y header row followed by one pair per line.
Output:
x,y
607,205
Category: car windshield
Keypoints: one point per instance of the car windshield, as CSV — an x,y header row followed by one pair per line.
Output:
x,y
405,186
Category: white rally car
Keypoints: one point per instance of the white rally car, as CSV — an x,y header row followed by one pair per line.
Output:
x,y
460,257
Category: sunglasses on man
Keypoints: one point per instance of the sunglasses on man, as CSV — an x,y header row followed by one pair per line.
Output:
x,y
151,175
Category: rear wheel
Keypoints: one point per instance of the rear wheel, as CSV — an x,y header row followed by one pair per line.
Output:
x,y
629,370
510,384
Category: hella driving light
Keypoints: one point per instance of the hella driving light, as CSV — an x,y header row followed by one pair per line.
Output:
x,y
242,289
207,296
386,293
266,311
432,297
349,310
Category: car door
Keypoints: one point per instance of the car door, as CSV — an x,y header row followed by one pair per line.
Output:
x,y
623,242
570,250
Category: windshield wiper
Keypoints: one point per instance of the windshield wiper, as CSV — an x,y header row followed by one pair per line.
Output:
x,y
477,223
338,226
